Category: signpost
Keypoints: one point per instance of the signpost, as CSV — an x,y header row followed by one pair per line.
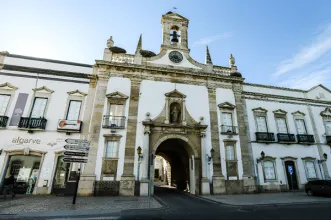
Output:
x,y
76,152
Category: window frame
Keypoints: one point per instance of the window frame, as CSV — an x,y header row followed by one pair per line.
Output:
x,y
8,103
273,161
33,105
117,149
80,108
305,160
277,125
226,145
261,112
304,123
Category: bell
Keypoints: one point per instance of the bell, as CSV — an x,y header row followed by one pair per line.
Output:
x,y
174,37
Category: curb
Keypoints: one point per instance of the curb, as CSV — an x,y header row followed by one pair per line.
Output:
x,y
262,204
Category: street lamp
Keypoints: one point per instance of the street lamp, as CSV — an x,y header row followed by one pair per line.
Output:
x,y
258,160
140,157
212,152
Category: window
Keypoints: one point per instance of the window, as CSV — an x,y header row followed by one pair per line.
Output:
x,y
111,149
227,119
74,110
300,123
328,128
4,100
310,169
229,152
261,124
116,110
269,170
38,108
281,124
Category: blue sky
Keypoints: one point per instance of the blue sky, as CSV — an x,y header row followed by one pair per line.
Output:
x,y
283,43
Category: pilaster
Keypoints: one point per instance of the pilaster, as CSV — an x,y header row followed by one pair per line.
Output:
x,y
127,179
249,180
91,130
218,178
205,186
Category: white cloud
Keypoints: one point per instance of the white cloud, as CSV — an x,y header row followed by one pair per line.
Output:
x,y
304,81
208,40
308,54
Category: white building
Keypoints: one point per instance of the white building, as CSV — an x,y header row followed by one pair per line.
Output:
x,y
204,120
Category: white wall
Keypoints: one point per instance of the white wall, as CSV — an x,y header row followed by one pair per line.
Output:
x,y
271,91
122,85
226,95
152,99
166,61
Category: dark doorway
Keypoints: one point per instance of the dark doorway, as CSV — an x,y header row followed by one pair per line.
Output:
x,y
291,179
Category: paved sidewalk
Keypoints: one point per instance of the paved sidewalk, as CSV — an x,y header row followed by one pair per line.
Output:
x,y
56,206
267,198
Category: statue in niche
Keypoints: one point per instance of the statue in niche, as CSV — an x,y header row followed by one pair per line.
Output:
x,y
175,113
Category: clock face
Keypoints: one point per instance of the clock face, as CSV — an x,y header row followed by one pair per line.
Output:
x,y
175,56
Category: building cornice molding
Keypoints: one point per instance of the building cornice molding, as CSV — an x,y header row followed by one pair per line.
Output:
x,y
46,71
226,105
260,109
298,113
280,111
265,96
326,113
117,95
273,87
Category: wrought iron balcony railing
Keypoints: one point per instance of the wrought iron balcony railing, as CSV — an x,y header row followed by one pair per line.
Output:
x,y
226,129
305,138
33,123
113,121
286,138
3,121
265,137
328,139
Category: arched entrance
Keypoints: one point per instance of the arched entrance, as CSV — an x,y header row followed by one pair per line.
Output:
x,y
174,164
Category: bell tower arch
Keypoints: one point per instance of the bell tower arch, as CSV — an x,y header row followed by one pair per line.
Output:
x,y
174,31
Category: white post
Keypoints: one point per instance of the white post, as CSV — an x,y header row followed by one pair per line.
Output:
x,y
145,164
204,180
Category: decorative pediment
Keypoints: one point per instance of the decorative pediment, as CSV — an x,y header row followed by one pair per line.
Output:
x,y
117,95
176,94
77,93
298,113
326,113
8,86
43,89
226,105
280,112
173,15
308,158
260,109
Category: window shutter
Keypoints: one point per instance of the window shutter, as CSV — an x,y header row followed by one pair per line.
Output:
x,y
4,99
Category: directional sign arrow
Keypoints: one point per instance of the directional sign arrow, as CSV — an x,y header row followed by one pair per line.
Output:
x,y
76,141
76,147
76,154
74,160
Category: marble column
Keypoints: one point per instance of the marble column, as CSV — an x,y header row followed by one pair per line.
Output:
x,y
218,178
205,186
127,182
91,130
145,163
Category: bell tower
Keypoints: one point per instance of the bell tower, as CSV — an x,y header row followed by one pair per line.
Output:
x,y
174,31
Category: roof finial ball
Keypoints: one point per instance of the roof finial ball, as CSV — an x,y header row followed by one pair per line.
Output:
x,y
232,60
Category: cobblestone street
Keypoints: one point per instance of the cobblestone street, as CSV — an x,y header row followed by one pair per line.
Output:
x,y
41,204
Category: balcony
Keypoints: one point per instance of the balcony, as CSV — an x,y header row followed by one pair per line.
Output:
x,y
286,138
115,122
226,129
328,139
27,123
3,121
306,138
265,137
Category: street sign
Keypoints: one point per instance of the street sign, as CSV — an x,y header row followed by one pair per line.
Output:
x,y
76,154
290,170
76,147
74,160
77,141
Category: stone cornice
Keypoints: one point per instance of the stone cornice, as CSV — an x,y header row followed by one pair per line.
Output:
x,y
298,113
226,105
286,97
8,85
280,111
43,88
162,70
77,92
46,71
273,87
260,109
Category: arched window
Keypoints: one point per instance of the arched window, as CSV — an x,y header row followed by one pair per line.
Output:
x,y
174,34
